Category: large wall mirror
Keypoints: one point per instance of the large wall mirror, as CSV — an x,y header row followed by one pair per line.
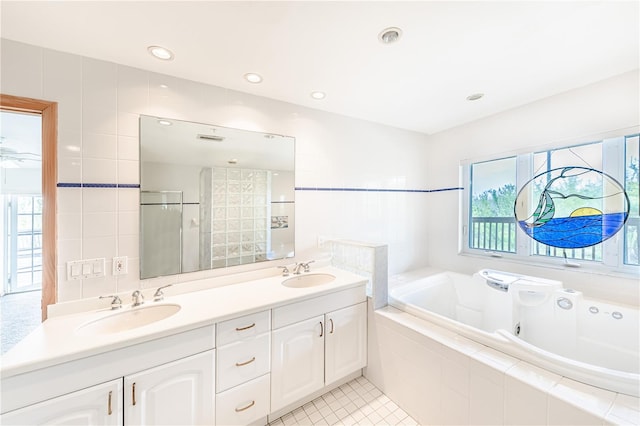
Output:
x,y
212,196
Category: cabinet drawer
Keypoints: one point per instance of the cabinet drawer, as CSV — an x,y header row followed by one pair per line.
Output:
x,y
240,328
242,361
243,404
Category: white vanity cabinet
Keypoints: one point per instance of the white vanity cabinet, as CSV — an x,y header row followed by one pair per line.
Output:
x,y
345,344
242,369
178,393
96,405
298,361
310,353
174,379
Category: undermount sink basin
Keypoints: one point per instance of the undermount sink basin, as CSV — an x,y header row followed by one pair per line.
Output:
x,y
129,319
308,280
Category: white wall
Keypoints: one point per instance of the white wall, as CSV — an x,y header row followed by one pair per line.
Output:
x,y
99,107
577,115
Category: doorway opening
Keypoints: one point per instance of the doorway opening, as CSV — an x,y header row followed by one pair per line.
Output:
x,y
28,129
21,224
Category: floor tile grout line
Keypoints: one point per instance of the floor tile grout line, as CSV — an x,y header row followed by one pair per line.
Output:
x,y
331,408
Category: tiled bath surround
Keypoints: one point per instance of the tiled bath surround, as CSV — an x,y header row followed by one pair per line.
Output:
x,y
439,377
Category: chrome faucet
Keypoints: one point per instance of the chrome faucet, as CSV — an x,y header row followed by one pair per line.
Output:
x,y
302,265
159,295
138,298
116,303
285,271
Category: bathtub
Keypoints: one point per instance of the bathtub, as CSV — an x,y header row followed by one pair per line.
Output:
x,y
536,320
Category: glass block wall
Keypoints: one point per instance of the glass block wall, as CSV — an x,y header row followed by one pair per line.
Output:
x,y
234,210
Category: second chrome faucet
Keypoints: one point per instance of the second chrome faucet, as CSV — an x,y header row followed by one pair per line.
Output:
x,y
138,298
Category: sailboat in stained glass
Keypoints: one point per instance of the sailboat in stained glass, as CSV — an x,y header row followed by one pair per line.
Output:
x,y
568,213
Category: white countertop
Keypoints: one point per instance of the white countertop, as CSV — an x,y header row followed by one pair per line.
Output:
x,y
57,341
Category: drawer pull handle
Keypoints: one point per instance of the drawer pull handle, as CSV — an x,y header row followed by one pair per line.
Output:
x,y
110,411
251,404
240,364
245,328
321,329
133,393
331,321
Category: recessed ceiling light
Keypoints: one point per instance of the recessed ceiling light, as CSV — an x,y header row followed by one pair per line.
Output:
x,y
318,95
252,77
160,52
165,122
390,35
475,96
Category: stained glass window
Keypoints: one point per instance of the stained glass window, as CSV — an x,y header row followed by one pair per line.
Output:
x,y
565,203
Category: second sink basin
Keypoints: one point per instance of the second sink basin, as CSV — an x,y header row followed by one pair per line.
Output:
x,y
129,319
308,280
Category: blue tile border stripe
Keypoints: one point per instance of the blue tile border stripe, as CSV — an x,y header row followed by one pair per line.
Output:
x,y
97,185
303,188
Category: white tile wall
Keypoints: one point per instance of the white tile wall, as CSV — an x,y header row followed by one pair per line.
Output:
x,y
99,105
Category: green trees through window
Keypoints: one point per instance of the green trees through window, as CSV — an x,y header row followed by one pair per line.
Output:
x,y
493,186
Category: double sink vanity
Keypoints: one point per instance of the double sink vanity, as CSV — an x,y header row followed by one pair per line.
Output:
x,y
236,354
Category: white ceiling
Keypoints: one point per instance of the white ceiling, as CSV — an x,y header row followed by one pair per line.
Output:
x,y
513,51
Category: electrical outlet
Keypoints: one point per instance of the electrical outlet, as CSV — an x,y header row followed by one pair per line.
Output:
x,y
120,265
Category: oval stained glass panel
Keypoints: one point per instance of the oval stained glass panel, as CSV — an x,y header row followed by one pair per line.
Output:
x,y
571,207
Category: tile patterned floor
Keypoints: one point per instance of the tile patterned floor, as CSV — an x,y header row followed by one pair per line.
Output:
x,y
357,402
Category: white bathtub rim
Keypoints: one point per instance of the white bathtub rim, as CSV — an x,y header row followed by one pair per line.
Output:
x,y
618,381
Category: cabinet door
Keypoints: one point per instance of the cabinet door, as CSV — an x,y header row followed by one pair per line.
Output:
x,y
97,405
176,393
297,361
345,342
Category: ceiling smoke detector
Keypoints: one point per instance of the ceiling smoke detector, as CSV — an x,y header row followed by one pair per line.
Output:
x,y
390,35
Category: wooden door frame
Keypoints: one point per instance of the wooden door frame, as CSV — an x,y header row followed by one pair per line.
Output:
x,y
49,112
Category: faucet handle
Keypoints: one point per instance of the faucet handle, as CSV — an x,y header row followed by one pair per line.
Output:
x,y
138,298
159,295
285,271
116,303
305,265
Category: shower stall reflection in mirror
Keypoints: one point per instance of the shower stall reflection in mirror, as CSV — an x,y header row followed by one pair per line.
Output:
x,y
161,215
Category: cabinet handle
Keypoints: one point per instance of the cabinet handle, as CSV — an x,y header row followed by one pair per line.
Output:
x,y
251,404
134,393
245,328
240,364
110,410
331,321
321,329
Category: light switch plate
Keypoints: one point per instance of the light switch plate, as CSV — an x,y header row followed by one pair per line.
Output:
x,y
87,268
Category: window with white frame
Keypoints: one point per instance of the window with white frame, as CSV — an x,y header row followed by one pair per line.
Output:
x,y
493,185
